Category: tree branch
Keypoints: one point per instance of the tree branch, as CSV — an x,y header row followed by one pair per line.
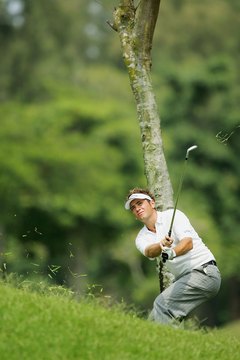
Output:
x,y
145,23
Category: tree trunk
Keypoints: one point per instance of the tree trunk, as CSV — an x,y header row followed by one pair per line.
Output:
x,y
135,26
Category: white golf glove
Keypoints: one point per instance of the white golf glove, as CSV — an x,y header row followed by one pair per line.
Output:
x,y
168,254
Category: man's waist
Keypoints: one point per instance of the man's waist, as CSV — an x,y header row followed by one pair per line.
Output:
x,y
180,268
211,262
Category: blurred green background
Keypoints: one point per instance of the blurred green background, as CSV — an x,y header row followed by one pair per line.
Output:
x,y
70,145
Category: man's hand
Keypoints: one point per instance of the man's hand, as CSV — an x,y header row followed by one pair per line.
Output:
x,y
167,241
168,254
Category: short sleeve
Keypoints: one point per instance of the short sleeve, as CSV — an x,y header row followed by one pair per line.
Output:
x,y
181,226
144,239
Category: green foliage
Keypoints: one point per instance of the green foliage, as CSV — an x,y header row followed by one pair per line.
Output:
x,y
54,324
207,96
64,148
66,168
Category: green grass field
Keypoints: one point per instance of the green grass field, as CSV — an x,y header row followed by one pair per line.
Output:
x,y
52,325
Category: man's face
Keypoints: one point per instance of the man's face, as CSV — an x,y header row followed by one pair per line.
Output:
x,y
142,208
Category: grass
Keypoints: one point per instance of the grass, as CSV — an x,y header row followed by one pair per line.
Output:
x,y
53,325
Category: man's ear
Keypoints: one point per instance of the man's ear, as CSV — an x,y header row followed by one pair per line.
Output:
x,y
152,203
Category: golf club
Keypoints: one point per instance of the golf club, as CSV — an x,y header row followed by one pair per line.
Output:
x,y
180,186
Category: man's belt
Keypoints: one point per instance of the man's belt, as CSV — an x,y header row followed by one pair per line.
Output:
x,y
212,262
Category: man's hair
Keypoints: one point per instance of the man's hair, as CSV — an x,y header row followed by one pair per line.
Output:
x,y
140,191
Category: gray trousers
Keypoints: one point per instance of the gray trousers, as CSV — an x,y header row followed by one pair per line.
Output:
x,y
185,294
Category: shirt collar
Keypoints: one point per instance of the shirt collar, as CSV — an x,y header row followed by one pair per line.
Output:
x,y
159,217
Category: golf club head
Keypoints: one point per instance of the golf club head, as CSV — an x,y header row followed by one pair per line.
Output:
x,y
190,149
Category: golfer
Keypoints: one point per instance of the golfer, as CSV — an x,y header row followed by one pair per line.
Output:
x,y
196,275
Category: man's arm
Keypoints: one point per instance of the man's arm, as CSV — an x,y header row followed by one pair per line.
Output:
x,y
153,250
184,245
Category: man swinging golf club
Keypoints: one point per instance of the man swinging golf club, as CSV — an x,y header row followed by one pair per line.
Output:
x,y
168,234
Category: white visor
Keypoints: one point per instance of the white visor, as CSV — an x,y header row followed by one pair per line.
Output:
x,y
136,196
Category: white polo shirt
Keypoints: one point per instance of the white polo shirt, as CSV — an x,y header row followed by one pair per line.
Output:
x,y
182,228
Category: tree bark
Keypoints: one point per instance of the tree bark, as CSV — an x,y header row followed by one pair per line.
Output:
x,y
135,26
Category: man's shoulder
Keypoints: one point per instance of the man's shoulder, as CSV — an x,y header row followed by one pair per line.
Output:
x,y
165,213
145,233
169,212
142,230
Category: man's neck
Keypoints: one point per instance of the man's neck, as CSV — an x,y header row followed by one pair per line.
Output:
x,y
151,221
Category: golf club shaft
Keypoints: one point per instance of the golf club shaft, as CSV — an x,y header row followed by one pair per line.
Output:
x,y
180,187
